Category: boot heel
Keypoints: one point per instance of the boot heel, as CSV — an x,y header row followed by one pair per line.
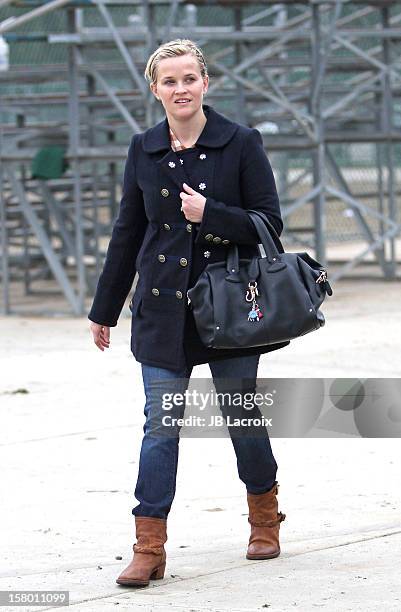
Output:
x,y
158,573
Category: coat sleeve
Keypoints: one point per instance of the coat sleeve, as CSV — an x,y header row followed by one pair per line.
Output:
x,y
127,236
258,192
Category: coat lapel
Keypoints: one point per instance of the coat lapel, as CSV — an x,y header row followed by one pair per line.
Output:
x,y
217,132
172,167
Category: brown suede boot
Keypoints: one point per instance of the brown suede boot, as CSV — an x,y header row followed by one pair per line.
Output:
x,y
265,525
149,560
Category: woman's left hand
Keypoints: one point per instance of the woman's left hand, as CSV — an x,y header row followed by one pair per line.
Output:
x,y
193,204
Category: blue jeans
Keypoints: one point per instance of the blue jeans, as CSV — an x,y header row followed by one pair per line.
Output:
x,y
156,484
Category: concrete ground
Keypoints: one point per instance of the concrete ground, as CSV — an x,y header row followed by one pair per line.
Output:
x,y
71,428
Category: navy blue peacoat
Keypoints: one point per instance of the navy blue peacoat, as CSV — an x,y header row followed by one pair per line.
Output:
x,y
151,236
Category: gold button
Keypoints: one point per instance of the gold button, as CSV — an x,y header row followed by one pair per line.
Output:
x,y
189,227
183,261
155,291
165,193
226,242
161,258
178,295
209,237
217,239
167,226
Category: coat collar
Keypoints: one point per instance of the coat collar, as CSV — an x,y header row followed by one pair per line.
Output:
x,y
218,130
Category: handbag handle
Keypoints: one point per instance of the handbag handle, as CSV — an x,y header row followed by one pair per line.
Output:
x,y
272,248
267,235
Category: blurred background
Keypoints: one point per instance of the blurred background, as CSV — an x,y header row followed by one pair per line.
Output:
x,y
320,80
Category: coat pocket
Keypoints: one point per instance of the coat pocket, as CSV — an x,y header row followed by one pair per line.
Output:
x,y
135,303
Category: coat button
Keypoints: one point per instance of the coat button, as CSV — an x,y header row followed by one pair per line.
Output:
x,y
202,156
155,291
167,226
178,295
183,262
189,227
209,237
226,242
165,193
161,258
217,239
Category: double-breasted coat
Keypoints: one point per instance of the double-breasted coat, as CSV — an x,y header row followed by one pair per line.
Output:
x,y
151,235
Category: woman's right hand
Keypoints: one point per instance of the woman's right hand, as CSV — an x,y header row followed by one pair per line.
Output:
x,y
101,335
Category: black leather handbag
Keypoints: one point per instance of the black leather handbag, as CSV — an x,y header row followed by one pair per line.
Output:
x,y
243,303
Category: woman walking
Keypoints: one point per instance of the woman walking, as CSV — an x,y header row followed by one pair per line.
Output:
x,y
187,184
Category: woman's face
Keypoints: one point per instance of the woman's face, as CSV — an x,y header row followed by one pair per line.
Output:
x,y
179,78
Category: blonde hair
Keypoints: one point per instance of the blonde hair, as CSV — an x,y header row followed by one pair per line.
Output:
x,y
174,48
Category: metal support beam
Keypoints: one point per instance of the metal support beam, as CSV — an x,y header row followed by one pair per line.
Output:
x,y
74,122
44,242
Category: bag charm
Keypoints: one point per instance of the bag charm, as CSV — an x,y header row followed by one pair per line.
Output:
x,y
322,278
255,314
